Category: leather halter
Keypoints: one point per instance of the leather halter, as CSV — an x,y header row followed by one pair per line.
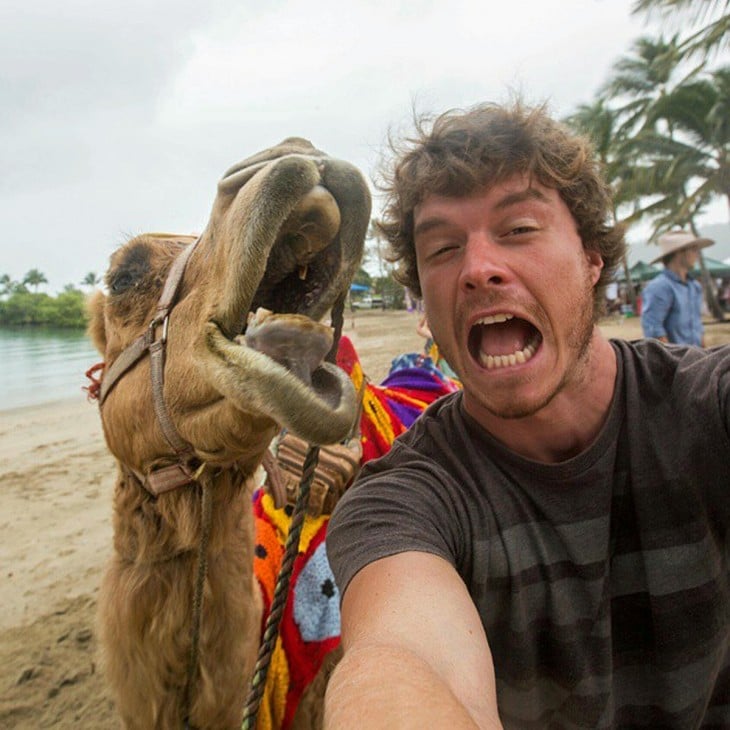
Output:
x,y
187,467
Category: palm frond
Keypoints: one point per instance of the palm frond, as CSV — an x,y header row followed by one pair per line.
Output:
x,y
710,20
698,11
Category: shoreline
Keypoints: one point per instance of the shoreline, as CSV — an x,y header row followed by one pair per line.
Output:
x,y
52,403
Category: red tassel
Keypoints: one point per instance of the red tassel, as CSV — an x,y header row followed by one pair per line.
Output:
x,y
93,390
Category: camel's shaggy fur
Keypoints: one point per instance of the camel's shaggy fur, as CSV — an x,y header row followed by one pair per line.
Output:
x,y
285,233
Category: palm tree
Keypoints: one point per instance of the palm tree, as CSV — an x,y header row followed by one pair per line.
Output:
x,y
599,122
679,149
35,278
644,76
6,284
687,134
91,279
698,115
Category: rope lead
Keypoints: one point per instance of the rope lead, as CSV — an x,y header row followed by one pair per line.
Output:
x,y
281,591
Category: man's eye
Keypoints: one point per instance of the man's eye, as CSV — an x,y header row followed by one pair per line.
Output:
x,y
441,249
521,230
436,254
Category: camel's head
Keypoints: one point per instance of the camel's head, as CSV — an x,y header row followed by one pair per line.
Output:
x,y
244,352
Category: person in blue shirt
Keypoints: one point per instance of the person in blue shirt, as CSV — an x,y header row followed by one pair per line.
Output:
x,y
672,301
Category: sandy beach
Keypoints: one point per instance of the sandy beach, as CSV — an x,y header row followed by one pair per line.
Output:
x,y
55,508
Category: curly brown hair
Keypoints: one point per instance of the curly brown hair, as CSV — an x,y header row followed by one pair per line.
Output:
x,y
460,152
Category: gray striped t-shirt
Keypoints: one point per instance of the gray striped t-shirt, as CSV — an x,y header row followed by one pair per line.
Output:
x,y
602,581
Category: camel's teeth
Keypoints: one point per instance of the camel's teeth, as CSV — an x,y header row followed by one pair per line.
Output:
x,y
303,271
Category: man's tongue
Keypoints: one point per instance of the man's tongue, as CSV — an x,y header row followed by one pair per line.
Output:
x,y
504,338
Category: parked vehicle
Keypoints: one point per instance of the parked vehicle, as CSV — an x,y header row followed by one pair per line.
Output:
x,y
369,303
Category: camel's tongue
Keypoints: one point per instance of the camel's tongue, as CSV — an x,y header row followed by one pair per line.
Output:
x,y
504,338
293,340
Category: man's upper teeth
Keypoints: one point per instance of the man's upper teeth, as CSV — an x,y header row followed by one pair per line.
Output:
x,y
518,356
495,318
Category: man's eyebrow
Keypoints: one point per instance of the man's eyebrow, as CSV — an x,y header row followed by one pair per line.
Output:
x,y
427,225
521,197
436,221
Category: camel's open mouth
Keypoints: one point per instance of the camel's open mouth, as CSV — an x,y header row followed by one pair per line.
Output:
x,y
297,241
305,258
503,340
302,265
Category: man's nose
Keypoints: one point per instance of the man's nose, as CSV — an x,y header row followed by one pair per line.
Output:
x,y
484,263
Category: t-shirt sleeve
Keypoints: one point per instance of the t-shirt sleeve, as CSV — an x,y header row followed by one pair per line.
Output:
x,y
399,504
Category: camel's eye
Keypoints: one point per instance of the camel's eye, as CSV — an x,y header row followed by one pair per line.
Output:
x,y
131,271
121,282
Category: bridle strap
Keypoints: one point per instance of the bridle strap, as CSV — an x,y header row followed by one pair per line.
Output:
x,y
157,371
181,472
139,347
124,362
166,478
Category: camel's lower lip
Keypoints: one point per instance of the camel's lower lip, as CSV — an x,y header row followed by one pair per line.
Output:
x,y
318,403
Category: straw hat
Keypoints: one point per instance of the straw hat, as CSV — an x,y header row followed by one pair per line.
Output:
x,y
677,240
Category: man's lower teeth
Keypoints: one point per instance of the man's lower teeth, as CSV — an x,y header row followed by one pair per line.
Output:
x,y
500,361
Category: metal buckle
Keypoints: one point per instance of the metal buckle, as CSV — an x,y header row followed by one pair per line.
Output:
x,y
153,326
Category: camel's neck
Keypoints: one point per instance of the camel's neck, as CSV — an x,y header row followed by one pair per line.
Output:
x,y
151,529
147,602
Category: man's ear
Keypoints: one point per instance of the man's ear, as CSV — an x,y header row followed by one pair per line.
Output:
x,y
595,264
95,329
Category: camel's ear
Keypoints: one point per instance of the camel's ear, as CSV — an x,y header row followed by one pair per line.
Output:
x,y
95,329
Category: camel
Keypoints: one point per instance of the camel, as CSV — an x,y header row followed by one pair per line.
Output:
x,y
212,377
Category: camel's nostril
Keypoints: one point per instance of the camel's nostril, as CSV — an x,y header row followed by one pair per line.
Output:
x,y
312,225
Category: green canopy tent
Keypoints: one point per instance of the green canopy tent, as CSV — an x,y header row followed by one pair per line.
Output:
x,y
716,269
640,271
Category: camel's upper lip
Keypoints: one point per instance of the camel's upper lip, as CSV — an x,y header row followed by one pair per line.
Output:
x,y
300,225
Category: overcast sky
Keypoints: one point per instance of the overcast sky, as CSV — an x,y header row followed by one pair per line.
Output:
x,y
119,117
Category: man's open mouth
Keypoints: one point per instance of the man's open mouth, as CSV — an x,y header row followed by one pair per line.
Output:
x,y
503,340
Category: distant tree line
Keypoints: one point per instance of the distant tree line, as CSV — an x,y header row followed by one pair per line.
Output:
x,y
19,306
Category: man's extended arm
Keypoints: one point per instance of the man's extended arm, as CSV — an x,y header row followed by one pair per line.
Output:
x,y
415,651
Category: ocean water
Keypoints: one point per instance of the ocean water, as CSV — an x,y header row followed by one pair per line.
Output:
x,y
39,365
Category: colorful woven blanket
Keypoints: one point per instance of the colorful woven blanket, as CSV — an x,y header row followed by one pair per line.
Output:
x,y
310,626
